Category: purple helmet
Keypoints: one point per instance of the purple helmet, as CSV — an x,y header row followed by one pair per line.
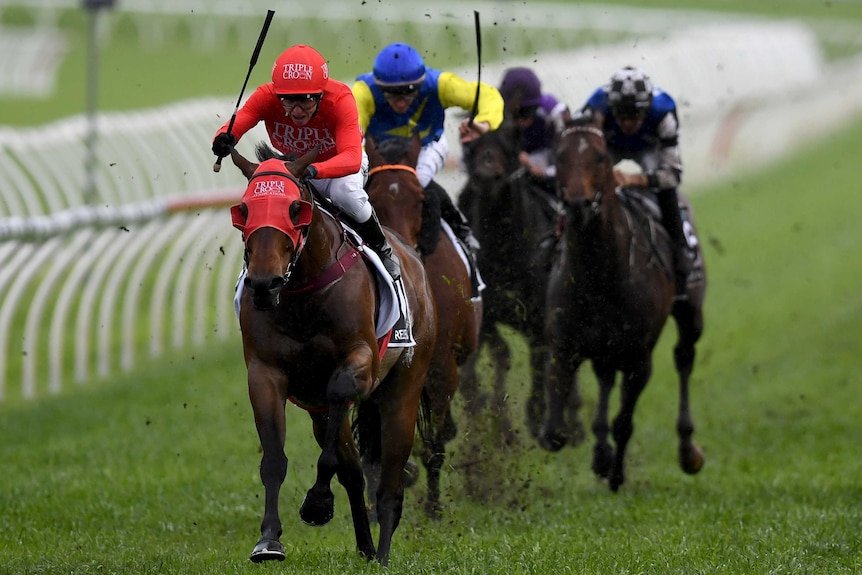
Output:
x,y
522,87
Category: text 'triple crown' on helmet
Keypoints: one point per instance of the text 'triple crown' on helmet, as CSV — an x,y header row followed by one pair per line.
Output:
x,y
399,65
630,90
521,84
300,70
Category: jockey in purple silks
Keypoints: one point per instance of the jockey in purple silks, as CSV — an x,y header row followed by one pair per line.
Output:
x,y
540,118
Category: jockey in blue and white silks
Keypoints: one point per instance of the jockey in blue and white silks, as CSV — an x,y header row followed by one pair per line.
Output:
x,y
640,123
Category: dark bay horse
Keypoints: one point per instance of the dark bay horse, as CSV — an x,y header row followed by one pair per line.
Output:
x,y
609,297
307,316
394,189
514,221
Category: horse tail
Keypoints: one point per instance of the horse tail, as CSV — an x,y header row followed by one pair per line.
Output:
x,y
367,431
423,421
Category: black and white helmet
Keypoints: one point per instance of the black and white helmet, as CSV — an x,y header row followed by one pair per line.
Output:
x,y
629,92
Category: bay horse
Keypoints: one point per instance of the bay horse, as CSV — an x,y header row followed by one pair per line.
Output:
x,y
514,220
395,191
609,296
307,316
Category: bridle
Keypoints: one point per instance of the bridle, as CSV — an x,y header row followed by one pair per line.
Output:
x,y
594,205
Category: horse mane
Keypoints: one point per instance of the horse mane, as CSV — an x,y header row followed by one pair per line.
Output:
x,y
264,151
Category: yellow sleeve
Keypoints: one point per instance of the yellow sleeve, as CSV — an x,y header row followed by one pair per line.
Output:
x,y
455,91
364,103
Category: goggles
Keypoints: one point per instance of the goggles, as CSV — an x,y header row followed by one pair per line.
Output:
x,y
306,102
526,112
402,91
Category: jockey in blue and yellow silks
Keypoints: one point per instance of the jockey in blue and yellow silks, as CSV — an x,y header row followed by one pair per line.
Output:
x,y
401,95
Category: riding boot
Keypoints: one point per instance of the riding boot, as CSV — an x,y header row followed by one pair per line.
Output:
x,y
456,220
672,221
373,235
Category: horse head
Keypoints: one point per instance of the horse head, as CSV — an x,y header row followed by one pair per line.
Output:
x,y
493,157
274,216
585,174
393,185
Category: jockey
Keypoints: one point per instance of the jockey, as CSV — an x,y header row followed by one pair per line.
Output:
x,y
540,118
640,123
304,108
401,95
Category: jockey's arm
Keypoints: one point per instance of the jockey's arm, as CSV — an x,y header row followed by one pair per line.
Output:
x,y
455,91
364,104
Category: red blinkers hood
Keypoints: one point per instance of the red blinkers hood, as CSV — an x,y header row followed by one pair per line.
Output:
x,y
270,198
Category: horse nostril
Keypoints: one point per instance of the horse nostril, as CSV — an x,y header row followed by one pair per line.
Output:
x,y
275,285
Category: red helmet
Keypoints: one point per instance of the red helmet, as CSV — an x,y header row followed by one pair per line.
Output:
x,y
300,70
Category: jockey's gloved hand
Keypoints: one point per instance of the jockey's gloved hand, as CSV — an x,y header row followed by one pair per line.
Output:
x,y
309,174
223,144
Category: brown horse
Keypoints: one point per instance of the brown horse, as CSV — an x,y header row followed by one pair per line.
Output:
x,y
394,189
609,297
307,316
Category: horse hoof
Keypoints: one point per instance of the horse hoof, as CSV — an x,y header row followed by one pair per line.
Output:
x,y
434,510
603,461
317,512
691,459
267,550
552,441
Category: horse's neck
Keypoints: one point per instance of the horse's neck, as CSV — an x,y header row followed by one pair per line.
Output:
x,y
320,248
599,246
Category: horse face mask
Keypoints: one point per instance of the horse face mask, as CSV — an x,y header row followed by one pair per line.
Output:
x,y
272,200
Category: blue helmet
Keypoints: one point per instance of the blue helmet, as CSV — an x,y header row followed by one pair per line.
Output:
x,y
399,65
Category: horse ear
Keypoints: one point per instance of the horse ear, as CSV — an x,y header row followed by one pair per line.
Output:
x,y
413,151
375,158
245,166
239,215
509,128
300,213
297,167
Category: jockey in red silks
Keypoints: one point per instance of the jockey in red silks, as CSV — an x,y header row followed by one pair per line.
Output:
x,y
303,108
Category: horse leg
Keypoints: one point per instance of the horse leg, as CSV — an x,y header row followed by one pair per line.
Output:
x,y
689,327
633,384
351,478
440,387
268,406
344,385
318,506
536,401
603,451
502,358
474,399
398,413
560,370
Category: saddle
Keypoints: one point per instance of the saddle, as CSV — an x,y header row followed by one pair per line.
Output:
x,y
643,205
